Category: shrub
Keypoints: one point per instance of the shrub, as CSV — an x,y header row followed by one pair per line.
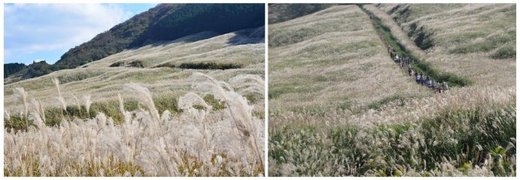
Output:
x,y
209,66
504,53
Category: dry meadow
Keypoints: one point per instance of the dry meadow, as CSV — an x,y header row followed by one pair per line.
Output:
x,y
339,106
139,113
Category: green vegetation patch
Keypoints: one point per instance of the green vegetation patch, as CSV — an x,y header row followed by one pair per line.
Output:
x,y
210,65
54,115
293,87
284,12
77,76
486,45
504,52
134,63
286,37
462,138
453,80
377,105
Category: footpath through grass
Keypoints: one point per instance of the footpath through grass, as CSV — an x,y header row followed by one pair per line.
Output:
x,y
418,65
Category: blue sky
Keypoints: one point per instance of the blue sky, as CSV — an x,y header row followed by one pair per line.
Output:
x,y
46,31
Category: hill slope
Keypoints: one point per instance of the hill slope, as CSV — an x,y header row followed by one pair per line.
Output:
x,y
321,63
165,22
283,12
339,106
104,82
182,98
191,113
477,41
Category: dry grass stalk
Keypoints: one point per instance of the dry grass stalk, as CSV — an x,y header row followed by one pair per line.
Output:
x,y
196,142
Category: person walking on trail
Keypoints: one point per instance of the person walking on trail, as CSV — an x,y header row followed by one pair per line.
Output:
x,y
444,86
430,83
423,79
410,71
418,78
437,87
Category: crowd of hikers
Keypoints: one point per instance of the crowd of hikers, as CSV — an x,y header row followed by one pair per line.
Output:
x,y
422,79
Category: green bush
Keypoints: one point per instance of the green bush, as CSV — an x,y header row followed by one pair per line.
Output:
x,y
215,103
211,65
504,53
378,104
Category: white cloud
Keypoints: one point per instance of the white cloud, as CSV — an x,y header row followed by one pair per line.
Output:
x,y
44,27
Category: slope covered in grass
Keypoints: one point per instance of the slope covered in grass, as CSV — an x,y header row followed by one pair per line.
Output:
x,y
165,22
140,112
200,139
283,12
323,62
475,28
394,127
104,82
471,40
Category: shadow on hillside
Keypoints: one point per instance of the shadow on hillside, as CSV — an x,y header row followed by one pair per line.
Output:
x,y
186,39
248,36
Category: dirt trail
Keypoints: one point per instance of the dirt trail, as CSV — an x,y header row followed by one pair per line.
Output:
x,y
396,31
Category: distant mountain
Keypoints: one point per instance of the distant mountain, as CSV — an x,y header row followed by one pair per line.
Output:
x,y
162,23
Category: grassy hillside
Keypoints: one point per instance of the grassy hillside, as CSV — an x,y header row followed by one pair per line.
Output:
x,y
283,12
165,22
144,112
102,81
471,40
322,63
479,28
339,106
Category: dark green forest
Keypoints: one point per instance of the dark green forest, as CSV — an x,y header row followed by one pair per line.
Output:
x,y
12,68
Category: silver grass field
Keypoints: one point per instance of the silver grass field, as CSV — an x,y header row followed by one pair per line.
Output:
x,y
339,106
196,142
99,120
